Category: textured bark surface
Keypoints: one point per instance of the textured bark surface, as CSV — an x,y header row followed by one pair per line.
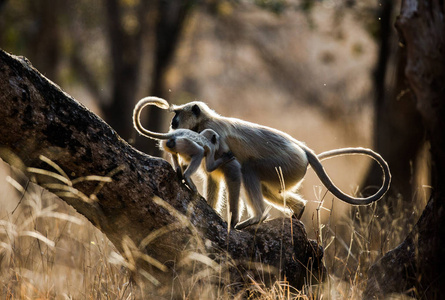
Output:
x,y
38,118
417,265
398,131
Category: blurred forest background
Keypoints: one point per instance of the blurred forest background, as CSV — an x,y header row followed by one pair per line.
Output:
x,y
328,72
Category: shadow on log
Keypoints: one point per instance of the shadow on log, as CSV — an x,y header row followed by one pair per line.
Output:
x,y
144,210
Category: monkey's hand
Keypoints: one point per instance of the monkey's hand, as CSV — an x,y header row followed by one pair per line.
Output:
x,y
207,150
179,174
212,165
228,156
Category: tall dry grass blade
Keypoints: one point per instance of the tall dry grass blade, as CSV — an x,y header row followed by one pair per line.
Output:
x,y
54,165
149,277
104,179
344,245
127,246
102,183
38,236
19,188
349,254
283,188
202,258
67,191
15,184
132,254
158,233
63,216
182,219
12,159
154,262
5,246
50,174
282,183
9,229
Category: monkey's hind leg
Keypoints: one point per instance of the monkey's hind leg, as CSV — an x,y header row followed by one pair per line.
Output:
x,y
254,200
232,178
286,198
296,203
212,187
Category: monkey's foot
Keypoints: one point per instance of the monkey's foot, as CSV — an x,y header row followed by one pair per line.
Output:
x,y
251,221
234,222
299,214
297,208
191,185
179,174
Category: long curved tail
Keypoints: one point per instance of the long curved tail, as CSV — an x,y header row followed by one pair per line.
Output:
x,y
314,161
159,102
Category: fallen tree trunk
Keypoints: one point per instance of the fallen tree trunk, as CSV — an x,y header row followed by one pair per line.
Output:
x,y
144,211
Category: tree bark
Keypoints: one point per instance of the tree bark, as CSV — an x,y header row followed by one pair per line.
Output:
x,y
38,118
399,132
417,265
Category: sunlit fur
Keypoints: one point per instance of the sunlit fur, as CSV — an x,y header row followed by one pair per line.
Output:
x,y
184,144
260,150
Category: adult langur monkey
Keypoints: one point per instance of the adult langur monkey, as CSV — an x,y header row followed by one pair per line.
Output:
x,y
260,150
187,146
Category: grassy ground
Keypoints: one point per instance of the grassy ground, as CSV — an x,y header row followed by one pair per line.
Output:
x,y
48,251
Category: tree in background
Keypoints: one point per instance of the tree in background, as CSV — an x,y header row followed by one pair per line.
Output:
x,y
128,25
32,29
417,265
170,23
399,136
53,36
399,131
125,23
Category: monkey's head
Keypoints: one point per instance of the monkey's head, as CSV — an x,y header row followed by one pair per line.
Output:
x,y
192,116
212,136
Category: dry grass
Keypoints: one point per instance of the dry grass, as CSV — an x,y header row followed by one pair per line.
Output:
x,y
48,251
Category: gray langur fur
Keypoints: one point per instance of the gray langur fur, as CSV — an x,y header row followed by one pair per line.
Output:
x,y
189,145
260,150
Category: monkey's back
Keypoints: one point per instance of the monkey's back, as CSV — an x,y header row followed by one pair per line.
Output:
x,y
263,148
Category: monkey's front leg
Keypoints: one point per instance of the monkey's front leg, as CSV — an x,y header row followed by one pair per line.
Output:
x,y
212,164
177,167
192,168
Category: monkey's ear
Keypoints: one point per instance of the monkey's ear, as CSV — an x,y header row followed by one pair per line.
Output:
x,y
196,110
213,140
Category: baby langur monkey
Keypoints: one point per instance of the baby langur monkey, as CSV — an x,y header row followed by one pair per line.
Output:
x,y
189,145
260,150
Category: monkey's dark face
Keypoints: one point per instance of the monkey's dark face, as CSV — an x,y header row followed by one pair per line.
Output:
x,y
187,116
175,120
214,139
